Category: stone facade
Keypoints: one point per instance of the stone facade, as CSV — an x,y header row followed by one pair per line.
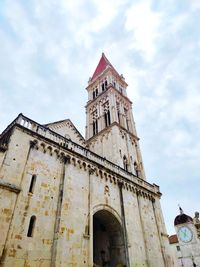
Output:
x,y
70,201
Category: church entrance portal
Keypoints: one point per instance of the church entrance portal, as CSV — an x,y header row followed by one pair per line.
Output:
x,y
108,244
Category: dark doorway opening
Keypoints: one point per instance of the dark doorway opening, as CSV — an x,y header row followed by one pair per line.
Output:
x,y
108,243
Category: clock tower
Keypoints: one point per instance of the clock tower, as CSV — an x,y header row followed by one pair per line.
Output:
x,y
110,127
189,243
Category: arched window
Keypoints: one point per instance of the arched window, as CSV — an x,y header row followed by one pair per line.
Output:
x,y
104,85
31,226
125,162
95,127
32,184
107,114
107,118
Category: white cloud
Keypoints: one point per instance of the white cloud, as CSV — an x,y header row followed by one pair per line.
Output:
x,y
49,49
143,23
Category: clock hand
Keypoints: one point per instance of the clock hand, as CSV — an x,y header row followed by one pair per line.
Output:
x,y
185,233
182,232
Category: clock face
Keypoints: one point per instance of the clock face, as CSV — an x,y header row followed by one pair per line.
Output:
x,y
185,234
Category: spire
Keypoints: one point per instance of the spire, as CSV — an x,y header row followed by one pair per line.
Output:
x,y
180,209
103,64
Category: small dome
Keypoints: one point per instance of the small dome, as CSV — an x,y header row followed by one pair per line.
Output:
x,y
182,218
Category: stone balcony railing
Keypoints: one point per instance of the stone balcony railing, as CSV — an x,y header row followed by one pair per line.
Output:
x,y
68,144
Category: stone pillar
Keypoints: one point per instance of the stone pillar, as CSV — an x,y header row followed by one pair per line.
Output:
x,y
120,184
90,214
87,126
58,213
122,117
113,107
142,225
139,157
163,237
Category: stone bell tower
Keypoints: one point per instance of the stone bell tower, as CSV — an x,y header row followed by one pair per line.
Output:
x,y
110,127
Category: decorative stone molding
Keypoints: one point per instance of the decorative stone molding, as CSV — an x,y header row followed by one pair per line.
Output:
x,y
10,187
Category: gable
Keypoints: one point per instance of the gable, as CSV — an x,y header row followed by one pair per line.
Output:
x,y
67,129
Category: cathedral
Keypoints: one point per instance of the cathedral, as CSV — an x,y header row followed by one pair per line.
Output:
x,y
73,201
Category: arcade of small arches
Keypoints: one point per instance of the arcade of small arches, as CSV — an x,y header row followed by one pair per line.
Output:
x,y
107,176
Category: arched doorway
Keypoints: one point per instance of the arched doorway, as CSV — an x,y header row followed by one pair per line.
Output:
x,y
108,242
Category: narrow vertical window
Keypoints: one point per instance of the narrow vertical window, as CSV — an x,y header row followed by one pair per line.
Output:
x,y
106,84
107,114
31,226
32,184
105,117
102,86
96,92
95,127
125,162
95,122
93,94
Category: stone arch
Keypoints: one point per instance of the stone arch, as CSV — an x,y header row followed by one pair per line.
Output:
x,y
49,150
43,147
108,240
84,165
56,152
74,161
107,208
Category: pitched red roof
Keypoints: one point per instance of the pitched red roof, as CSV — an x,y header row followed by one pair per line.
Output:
x,y
103,63
173,239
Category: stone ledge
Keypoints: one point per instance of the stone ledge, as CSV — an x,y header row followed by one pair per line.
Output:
x,y
10,187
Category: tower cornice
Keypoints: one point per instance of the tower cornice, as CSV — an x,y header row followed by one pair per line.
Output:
x,y
107,130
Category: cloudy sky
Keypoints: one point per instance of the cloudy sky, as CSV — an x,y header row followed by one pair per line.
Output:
x,y
50,48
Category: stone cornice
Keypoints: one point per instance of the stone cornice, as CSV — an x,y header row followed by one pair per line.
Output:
x,y
65,147
9,186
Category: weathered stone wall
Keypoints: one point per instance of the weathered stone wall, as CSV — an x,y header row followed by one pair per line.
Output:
x,y
23,162
2,154
136,242
68,191
114,144
72,245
